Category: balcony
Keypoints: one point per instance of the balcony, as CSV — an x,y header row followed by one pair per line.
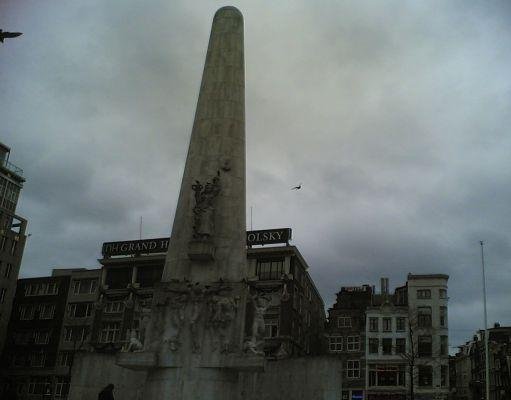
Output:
x,y
11,167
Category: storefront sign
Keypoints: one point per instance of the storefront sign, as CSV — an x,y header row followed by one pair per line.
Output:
x,y
269,236
145,246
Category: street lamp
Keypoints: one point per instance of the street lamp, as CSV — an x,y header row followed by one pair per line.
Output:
x,y
487,359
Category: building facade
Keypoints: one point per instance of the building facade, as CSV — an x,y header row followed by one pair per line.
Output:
x,y
295,316
346,334
427,308
470,366
12,236
29,360
387,346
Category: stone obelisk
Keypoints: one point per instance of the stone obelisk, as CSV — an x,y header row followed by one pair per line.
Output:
x,y
194,345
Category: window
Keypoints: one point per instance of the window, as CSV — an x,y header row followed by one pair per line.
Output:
x,y
109,332
386,345
443,316
443,375
424,317
46,311
8,270
27,312
400,345
37,359
442,293
353,343
118,278
38,384
444,346
65,359
335,344
386,375
373,324
344,322
75,334
424,346
373,345
114,307
270,269
148,275
400,324
3,293
424,294
41,289
61,387
425,375
271,327
14,246
353,369
80,310
18,360
387,324
85,286
41,337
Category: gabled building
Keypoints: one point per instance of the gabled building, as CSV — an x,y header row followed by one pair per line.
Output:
x,y
387,344
346,334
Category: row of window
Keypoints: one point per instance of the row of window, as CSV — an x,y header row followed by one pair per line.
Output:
x,y
32,337
40,385
398,324
85,286
335,343
426,293
29,312
35,359
41,289
386,324
110,332
389,346
395,375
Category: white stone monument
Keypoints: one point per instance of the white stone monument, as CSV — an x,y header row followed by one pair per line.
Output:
x,y
195,343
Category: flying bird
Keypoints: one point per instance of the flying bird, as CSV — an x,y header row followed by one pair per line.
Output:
x,y
297,187
5,35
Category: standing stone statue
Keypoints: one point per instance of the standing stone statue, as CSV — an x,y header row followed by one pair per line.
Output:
x,y
194,343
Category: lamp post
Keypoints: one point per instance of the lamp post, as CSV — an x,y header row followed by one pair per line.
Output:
x,y
486,357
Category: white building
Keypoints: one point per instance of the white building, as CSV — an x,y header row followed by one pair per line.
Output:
x,y
427,304
386,346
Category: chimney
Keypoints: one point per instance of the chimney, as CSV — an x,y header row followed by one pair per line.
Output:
x,y
384,283
496,325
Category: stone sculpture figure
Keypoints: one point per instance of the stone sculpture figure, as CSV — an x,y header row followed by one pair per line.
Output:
x,y
134,343
260,304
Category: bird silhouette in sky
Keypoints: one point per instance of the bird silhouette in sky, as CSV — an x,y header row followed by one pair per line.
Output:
x,y
6,35
297,187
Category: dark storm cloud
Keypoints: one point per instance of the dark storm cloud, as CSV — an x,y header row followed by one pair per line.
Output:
x,y
393,115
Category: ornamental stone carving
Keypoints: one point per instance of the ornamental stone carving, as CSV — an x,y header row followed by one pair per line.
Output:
x,y
204,210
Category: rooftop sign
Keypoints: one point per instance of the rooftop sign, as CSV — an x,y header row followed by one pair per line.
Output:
x,y
269,236
160,245
146,246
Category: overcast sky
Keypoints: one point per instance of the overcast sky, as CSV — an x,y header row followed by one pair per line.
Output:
x,y
394,115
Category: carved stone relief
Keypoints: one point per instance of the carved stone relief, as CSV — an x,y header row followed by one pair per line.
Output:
x,y
204,210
